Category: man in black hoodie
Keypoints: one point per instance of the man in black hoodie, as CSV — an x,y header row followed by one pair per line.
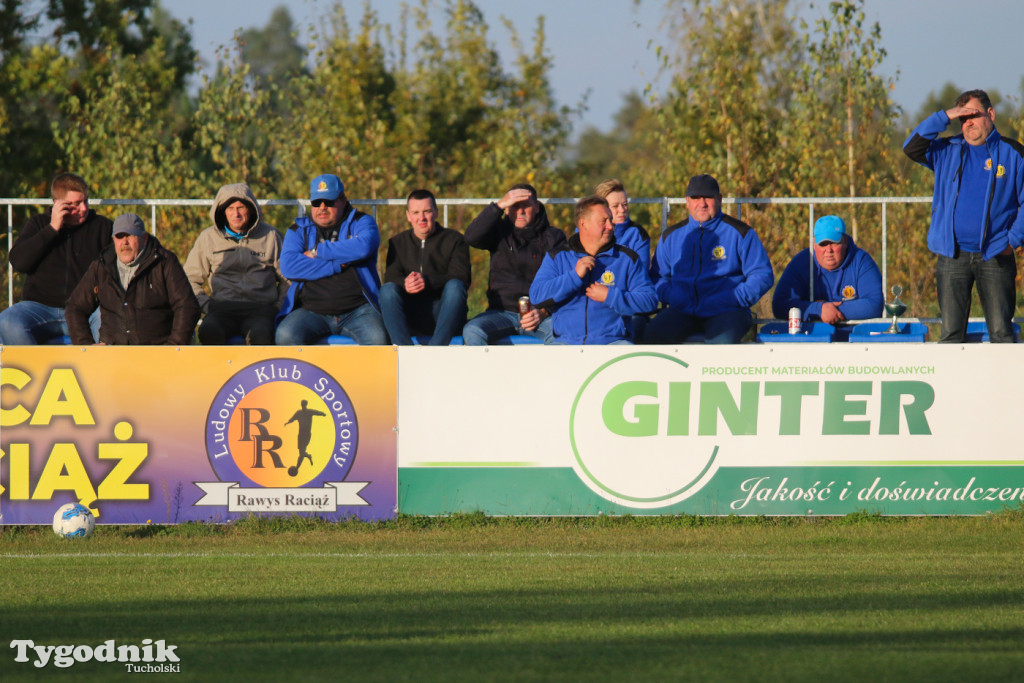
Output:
x,y
515,230
53,251
426,277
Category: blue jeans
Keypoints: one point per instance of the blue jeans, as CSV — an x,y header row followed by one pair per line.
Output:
x,y
671,326
408,314
955,277
30,322
304,327
493,327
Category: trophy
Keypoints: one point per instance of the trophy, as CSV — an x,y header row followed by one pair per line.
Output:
x,y
895,308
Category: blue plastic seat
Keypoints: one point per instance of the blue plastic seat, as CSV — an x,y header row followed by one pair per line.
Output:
x,y
58,341
876,332
338,340
811,332
424,339
977,332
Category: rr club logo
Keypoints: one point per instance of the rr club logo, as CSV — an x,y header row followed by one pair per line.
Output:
x,y
282,435
629,429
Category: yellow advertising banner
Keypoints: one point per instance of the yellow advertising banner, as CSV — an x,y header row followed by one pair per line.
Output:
x,y
166,434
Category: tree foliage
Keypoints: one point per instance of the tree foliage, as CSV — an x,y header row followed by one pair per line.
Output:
x,y
769,104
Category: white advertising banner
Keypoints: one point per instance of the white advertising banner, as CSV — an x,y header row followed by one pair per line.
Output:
x,y
749,429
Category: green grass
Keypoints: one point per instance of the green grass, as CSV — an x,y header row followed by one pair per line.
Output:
x,y
470,598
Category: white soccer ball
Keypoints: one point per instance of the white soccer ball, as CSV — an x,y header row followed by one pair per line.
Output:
x,y
73,521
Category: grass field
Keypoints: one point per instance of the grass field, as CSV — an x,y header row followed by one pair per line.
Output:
x,y
469,598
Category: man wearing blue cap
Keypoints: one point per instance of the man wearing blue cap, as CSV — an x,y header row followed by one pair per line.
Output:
x,y
708,271
330,258
847,282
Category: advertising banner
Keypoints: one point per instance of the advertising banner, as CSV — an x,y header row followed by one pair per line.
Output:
x,y
165,435
757,429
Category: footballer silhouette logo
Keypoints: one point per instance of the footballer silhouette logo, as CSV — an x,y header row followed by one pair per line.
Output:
x,y
282,423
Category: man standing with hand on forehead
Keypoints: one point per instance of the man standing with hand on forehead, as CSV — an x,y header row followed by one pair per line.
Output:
x,y
976,214
53,251
515,230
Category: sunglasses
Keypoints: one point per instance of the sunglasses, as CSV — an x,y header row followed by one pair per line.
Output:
x,y
329,203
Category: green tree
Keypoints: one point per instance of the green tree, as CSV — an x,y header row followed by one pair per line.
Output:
x,y
273,52
90,27
112,139
732,65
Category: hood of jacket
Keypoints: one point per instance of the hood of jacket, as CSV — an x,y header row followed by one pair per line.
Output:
x,y
231,193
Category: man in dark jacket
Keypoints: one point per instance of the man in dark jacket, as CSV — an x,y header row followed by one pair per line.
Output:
x,y
515,230
140,289
426,277
53,251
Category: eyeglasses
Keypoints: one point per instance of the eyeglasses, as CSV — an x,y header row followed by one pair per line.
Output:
x,y
329,203
968,117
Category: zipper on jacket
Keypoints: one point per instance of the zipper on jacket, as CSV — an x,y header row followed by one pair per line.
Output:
x,y
699,252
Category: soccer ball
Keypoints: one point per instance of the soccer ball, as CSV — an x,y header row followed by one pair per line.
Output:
x,y
73,521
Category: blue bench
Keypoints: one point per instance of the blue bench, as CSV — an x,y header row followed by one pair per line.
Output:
x,y
977,332
876,332
811,332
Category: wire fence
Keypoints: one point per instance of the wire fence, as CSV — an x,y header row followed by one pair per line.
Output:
x,y
660,209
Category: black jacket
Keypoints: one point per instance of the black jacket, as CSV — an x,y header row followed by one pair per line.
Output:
x,y
53,261
443,256
516,253
158,307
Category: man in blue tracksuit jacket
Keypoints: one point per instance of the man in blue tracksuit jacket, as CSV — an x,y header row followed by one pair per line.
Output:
x,y
331,261
708,271
847,282
592,284
976,213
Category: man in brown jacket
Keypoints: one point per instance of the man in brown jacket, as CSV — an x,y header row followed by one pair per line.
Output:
x,y
140,289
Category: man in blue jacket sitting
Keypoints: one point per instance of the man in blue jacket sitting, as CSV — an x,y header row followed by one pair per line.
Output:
x,y
592,284
847,282
708,271
331,261
977,220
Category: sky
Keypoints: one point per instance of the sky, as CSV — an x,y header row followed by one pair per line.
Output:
x,y
608,48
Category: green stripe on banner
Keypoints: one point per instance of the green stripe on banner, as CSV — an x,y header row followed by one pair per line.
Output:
x,y
902,490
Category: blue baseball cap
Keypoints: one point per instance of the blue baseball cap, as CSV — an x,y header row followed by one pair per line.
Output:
x,y
829,229
326,186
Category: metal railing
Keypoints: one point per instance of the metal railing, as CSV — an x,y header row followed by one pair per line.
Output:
x,y
666,204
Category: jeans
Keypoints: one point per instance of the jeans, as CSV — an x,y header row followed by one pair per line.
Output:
x,y
995,279
30,322
303,327
493,327
407,314
671,326
225,319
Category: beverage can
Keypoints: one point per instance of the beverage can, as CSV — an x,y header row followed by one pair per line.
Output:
x,y
524,305
794,320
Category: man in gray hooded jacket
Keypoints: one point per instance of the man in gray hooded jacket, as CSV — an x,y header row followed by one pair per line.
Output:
x,y
239,258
